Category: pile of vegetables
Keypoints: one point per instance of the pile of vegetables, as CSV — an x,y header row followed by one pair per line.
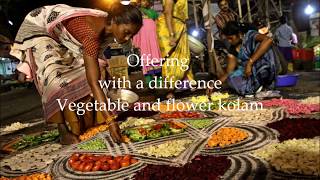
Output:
x,y
15,126
36,176
154,131
292,106
181,115
261,116
293,156
132,122
200,123
90,162
92,132
34,140
216,96
227,136
168,149
201,167
311,100
96,144
296,128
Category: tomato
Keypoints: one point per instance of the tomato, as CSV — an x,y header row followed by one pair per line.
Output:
x,y
118,158
81,166
96,168
98,163
75,165
75,156
71,160
124,163
82,157
115,166
105,167
111,161
157,127
132,161
127,157
88,167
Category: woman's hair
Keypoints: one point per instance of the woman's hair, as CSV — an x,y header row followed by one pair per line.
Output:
x,y
234,28
125,14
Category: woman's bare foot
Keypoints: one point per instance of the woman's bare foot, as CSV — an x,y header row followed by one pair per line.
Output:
x,y
66,137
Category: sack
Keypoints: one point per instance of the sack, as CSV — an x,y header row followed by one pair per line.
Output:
x,y
281,62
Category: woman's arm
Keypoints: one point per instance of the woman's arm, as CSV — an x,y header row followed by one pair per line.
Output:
x,y
168,13
264,46
231,66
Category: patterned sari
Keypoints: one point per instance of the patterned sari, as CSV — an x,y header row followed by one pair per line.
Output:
x,y
173,69
263,70
52,57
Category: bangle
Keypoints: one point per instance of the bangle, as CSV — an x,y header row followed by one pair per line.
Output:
x,y
251,61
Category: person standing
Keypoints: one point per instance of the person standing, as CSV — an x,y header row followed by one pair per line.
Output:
x,y
283,35
225,15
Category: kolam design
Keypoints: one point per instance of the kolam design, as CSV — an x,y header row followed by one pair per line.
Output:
x,y
185,156
247,167
259,136
280,175
62,171
30,161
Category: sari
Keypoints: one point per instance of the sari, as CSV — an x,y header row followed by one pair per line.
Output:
x,y
263,70
174,68
52,58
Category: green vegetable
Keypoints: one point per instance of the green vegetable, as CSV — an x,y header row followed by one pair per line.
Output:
x,y
154,134
176,131
200,123
131,131
137,137
34,140
96,144
165,131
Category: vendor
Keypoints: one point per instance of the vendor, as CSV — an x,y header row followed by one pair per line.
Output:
x,y
59,48
250,62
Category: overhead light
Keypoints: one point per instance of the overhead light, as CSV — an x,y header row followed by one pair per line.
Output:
x,y
195,33
10,22
309,10
125,2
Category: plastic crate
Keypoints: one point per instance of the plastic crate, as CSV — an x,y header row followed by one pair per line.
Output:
x,y
307,54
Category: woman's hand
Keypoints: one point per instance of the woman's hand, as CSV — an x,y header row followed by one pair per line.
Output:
x,y
248,70
115,132
173,41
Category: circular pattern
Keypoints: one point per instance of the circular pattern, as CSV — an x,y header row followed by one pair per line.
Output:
x,y
247,167
259,136
61,170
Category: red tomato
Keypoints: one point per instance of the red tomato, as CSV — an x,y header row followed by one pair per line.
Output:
x,y
105,167
157,127
132,161
124,163
96,168
127,157
75,165
81,166
118,158
98,163
75,156
88,167
71,160
115,166
83,157
111,161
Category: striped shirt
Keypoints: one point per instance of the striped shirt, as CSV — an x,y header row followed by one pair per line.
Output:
x,y
223,17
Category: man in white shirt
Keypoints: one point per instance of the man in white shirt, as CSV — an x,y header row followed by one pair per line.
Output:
x,y
283,35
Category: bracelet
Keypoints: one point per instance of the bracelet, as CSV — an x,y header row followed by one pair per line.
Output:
x,y
251,61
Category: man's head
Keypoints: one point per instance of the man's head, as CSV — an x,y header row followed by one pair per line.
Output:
x,y
283,19
223,5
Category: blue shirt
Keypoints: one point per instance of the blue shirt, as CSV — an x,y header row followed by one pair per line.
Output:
x,y
284,35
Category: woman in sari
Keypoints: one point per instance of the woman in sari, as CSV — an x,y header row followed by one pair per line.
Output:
x,y
59,48
146,39
251,63
173,41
